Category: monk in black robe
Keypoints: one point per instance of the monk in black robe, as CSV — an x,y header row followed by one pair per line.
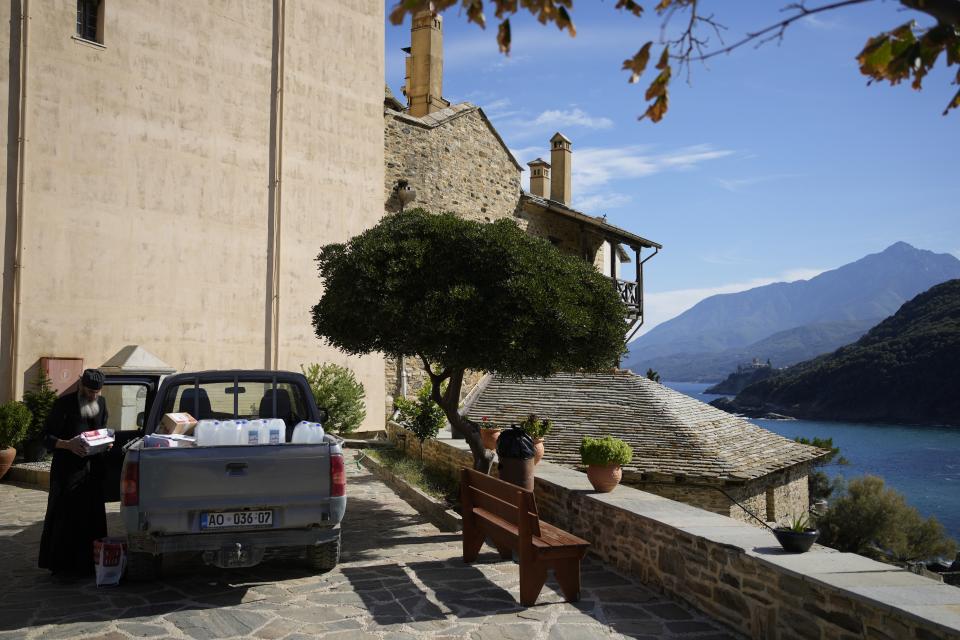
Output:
x,y
76,515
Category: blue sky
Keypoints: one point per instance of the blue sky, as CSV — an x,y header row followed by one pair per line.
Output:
x,y
772,164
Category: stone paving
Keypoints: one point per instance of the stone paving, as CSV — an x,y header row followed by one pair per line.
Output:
x,y
399,578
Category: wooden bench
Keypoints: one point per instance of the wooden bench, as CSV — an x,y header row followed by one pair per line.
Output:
x,y
507,514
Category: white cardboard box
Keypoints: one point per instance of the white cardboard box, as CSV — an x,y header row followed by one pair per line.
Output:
x,y
97,440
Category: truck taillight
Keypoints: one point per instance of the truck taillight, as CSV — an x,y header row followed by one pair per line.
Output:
x,y
338,477
130,485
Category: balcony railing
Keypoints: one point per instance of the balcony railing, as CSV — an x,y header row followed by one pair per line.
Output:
x,y
629,294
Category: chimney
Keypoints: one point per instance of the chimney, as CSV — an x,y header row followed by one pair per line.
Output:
x,y
539,178
561,159
425,65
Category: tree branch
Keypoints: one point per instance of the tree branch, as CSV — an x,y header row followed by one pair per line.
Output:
x,y
772,32
945,11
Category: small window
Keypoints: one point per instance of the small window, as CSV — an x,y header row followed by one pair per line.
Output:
x,y
90,20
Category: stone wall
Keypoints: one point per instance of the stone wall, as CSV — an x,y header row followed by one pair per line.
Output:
x,y
458,166
736,573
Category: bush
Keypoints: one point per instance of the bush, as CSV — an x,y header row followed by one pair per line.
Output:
x,y
39,401
535,427
604,451
337,390
15,421
873,520
422,416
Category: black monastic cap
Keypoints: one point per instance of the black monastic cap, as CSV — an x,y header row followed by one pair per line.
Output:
x,y
92,379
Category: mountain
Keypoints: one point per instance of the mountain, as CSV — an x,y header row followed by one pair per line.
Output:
x,y
783,349
904,370
873,287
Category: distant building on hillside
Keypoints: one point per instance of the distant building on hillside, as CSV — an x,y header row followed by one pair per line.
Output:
x,y
456,161
683,449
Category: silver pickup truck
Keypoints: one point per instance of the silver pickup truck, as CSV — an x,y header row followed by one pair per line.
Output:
x,y
234,504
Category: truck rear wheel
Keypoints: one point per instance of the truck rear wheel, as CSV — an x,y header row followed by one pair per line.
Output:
x,y
143,567
324,557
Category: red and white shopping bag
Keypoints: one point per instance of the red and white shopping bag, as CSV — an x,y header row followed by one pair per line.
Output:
x,y
109,559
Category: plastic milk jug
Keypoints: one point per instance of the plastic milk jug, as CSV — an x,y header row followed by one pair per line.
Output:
x,y
208,433
308,433
273,431
250,433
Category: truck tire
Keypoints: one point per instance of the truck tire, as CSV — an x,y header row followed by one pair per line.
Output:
x,y
143,567
324,557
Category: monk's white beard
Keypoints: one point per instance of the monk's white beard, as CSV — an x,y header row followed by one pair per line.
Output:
x,y
89,409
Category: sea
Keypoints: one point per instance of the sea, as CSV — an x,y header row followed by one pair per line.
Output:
x,y
922,463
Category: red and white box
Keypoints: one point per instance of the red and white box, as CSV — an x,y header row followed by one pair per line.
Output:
x,y
97,440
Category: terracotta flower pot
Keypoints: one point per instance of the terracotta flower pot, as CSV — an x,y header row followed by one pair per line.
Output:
x,y
604,478
6,460
537,450
489,437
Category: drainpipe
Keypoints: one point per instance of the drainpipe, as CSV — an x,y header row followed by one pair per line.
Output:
x,y
276,150
21,179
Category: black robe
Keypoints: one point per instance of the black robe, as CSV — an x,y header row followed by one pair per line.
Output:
x,y
76,515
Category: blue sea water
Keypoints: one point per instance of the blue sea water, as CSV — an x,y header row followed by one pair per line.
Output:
x,y
923,463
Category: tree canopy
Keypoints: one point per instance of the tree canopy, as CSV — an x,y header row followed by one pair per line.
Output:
x,y
462,295
905,52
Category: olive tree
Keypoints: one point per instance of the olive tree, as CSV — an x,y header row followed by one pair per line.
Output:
x,y
462,295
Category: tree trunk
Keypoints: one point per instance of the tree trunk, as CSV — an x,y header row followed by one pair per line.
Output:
x,y
449,401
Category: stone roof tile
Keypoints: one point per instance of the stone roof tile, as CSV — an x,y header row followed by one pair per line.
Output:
x,y
671,433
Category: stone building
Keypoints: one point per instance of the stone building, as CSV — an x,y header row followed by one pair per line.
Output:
x,y
453,159
172,170
683,449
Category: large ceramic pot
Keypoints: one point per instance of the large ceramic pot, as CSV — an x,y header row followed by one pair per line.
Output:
x,y
537,450
489,438
796,541
6,459
604,478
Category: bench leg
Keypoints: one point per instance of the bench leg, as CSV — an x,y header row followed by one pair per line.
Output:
x,y
533,575
568,575
506,553
472,542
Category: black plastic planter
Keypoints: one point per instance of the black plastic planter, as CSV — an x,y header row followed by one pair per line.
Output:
x,y
796,541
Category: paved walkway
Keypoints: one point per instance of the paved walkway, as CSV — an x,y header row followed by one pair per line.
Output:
x,y
399,578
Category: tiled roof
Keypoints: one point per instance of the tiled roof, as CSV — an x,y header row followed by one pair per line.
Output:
x,y
671,433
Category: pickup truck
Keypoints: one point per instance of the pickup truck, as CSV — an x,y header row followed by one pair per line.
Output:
x,y
235,505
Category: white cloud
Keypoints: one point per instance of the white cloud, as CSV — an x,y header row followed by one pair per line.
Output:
x,y
664,305
576,117
820,24
737,184
596,203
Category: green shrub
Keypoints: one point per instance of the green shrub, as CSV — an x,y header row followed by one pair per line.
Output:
x,y
422,416
535,427
15,420
604,451
337,390
876,521
39,401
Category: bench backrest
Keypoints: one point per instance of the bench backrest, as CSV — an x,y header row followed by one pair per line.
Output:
x,y
499,498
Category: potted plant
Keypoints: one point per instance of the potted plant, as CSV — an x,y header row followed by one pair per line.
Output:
x,y
796,535
489,432
604,457
14,422
536,429
39,401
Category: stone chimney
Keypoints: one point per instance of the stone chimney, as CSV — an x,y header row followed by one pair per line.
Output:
x,y
561,159
539,178
424,82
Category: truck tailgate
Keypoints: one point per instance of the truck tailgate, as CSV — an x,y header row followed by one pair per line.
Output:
x,y
178,485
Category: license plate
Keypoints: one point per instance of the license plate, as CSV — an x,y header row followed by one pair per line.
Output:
x,y
228,519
